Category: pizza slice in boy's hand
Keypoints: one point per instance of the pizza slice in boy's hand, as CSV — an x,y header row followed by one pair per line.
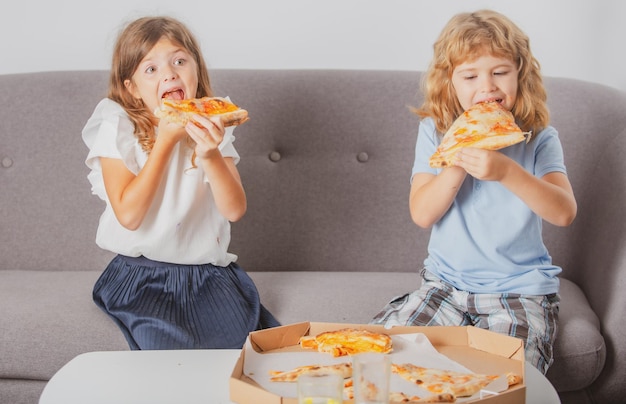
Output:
x,y
182,111
486,125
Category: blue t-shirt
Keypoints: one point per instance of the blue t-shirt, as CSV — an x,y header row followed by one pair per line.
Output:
x,y
489,241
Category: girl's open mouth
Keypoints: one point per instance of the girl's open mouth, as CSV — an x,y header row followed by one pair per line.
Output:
x,y
174,95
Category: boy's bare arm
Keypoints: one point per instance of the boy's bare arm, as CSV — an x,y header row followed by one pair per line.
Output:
x,y
432,195
551,197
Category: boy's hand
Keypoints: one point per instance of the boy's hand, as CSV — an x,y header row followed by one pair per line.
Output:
x,y
208,133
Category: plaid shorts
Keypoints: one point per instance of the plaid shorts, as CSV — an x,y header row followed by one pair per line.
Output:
x,y
532,318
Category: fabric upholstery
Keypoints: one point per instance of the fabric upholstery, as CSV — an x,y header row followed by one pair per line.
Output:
x,y
325,160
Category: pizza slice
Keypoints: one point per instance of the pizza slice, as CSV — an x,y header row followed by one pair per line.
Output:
x,y
348,341
182,111
400,397
439,381
344,369
486,125
397,397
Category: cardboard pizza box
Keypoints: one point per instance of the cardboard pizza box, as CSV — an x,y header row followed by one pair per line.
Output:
x,y
479,350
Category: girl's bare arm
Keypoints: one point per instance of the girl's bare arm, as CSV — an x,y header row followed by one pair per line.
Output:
x,y
225,183
221,172
131,195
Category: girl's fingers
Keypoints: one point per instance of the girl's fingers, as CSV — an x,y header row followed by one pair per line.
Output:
x,y
213,122
207,133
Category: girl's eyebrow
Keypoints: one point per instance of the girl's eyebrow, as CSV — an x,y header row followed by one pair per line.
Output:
x,y
180,49
149,59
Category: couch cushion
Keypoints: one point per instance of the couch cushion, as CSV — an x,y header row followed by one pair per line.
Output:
x,y
56,311
333,297
16,391
580,352
48,318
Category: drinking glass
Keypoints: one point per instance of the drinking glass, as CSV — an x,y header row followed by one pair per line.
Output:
x,y
320,389
370,375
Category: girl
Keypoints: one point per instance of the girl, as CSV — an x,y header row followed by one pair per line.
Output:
x,y
487,265
170,193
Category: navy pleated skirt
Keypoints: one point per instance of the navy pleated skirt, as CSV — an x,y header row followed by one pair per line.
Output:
x,y
169,306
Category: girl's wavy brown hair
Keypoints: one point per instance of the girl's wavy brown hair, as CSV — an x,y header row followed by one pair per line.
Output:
x,y
132,45
466,37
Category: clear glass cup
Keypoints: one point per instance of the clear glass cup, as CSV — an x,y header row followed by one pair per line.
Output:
x,y
370,376
320,389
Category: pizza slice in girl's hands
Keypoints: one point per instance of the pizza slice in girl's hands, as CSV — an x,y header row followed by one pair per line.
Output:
x,y
486,125
182,111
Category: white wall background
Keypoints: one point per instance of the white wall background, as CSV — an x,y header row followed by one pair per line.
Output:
x,y
573,38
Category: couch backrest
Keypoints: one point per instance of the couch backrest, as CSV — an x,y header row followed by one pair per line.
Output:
x,y
326,160
337,198
591,120
48,216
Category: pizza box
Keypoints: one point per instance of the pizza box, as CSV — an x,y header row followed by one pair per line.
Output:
x,y
479,350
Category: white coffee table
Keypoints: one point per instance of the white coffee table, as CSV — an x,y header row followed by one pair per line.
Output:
x,y
184,376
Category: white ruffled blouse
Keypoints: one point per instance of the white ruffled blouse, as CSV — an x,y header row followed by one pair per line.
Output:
x,y
183,225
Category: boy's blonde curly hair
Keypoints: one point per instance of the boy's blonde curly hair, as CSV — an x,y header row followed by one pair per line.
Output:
x,y
466,37
133,44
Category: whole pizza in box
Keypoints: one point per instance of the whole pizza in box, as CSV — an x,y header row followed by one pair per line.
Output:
x,y
420,373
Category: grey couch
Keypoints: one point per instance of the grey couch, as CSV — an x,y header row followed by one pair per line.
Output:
x,y
326,159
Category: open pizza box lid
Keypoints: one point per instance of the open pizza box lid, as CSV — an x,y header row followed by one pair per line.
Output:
x,y
479,350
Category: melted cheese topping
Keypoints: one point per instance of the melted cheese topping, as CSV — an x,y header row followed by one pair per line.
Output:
x,y
206,105
348,342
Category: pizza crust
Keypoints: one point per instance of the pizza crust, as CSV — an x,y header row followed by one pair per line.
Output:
x,y
439,381
399,397
343,369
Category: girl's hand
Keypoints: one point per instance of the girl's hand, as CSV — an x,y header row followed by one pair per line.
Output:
x,y
486,165
221,173
171,131
208,133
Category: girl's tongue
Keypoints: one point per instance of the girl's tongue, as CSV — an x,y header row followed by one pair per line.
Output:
x,y
174,95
